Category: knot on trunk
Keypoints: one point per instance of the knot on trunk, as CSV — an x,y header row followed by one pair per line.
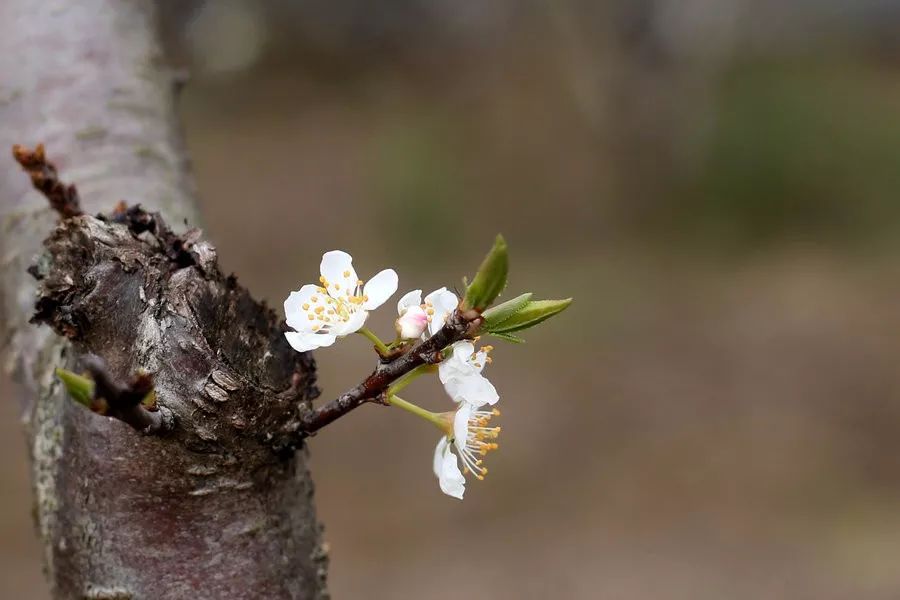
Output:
x,y
127,288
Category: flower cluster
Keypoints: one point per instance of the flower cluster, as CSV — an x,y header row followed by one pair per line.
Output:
x,y
467,427
339,305
460,372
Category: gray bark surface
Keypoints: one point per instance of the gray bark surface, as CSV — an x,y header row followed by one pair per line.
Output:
x,y
221,506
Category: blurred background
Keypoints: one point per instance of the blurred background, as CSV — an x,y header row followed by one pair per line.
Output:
x,y
716,182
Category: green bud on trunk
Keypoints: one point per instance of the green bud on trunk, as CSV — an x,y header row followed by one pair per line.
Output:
x,y
79,387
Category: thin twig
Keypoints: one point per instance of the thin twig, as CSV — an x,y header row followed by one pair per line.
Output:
x,y
44,177
123,401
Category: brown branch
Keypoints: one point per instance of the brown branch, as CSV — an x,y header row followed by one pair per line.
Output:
x,y
44,177
460,325
123,400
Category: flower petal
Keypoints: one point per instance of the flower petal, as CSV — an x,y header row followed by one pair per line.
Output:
x,y
462,351
338,271
413,298
443,302
451,478
461,425
439,452
303,341
351,325
478,360
380,288
452,387
294,313
475,390
448,371
457,364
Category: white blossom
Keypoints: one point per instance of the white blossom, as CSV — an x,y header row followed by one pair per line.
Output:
x,y
467,428
319,314
472,438
461,375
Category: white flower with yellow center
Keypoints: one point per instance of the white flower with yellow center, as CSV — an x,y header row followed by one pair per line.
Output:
x,y
461,375
468,432
319,314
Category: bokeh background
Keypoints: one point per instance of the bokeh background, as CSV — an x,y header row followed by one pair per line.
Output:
x,y
716,182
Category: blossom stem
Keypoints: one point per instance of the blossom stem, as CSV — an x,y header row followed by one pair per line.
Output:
x,y
408,378
433,418
379,345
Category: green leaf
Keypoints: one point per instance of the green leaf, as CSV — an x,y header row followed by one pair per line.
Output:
x,y
490,279
531,314
508,337
79,387
496,315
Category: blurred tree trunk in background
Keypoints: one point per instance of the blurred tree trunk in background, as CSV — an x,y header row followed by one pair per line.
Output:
x,y
122,515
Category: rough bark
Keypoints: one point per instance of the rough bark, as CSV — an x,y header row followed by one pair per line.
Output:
x,y
220,506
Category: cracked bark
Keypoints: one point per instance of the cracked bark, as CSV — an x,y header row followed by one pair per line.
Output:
x,y
221,506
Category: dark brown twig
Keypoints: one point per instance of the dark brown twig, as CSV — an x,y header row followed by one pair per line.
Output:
x,y
460,325
123,401
44,177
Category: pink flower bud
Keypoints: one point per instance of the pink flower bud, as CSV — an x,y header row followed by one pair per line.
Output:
x,y
412,323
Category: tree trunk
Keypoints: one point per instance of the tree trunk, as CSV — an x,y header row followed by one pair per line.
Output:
x,y
221,506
